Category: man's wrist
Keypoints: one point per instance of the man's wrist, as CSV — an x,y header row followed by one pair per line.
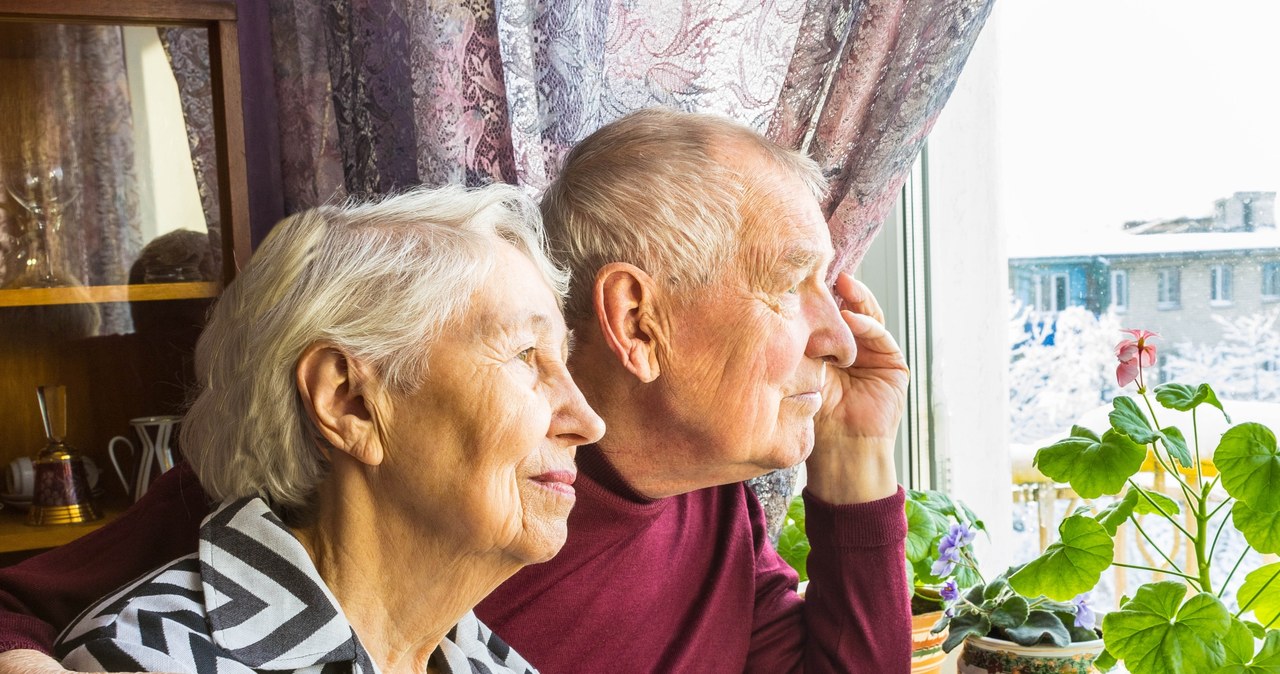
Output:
x,y
860,470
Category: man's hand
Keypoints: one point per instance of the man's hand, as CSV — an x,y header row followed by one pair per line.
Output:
x,y
862,405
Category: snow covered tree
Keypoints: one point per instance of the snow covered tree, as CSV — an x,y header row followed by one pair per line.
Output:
x,y
1244,364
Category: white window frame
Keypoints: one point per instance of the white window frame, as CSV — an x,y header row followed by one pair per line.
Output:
x,y
1270,281
1120,290
1220,290
1169,288
1046,292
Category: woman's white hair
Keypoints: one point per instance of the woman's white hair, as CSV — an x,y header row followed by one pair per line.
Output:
x,y
378,281
662,190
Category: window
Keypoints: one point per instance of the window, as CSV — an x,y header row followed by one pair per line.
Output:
x,y
1169,288
1220,284
1120,290
1051,292
1271,281
1138,216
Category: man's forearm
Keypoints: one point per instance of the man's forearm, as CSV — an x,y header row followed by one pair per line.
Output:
x,y
860,471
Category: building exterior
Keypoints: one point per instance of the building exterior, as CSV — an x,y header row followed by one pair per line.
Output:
x,y
1170,276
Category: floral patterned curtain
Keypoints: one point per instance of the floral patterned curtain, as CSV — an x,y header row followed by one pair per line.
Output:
x,y
381,94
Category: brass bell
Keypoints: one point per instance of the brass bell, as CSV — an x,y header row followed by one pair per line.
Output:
x,y
61,493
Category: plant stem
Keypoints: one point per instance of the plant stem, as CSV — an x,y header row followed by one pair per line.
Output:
x,y
1228,501
1257,594
1195,440
1172,466
1202,529
1142,531
1214,546
1227,582
1160,510
1153,570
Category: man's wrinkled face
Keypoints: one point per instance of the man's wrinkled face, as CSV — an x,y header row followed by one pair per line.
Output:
x,y
748,355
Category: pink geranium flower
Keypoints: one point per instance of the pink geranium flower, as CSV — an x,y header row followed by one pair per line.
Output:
x,y
1134,354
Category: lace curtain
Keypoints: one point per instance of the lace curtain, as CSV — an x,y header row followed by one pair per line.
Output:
x,y
382,94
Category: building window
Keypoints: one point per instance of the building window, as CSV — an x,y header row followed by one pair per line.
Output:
x,y
1220,284
1169,289
1120,290
1271,281
1051,292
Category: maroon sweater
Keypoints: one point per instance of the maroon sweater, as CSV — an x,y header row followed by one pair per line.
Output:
x,y
684,584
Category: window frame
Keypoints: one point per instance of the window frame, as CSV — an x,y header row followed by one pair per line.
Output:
x,y
1270,277
1168,288
1221,293
1120,289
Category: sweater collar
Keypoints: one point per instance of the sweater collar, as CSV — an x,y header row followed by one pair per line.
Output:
x,y
613,487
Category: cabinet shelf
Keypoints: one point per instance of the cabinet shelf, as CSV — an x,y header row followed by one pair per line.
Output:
x,y
17,536
27,297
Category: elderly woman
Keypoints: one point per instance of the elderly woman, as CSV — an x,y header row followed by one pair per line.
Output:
x,y
385,415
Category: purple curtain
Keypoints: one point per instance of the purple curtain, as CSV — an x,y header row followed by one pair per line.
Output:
x,y
381,94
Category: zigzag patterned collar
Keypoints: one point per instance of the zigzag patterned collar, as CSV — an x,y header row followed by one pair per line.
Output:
x,y
268,607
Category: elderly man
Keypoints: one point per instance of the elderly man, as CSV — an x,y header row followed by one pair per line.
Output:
x,y
710,342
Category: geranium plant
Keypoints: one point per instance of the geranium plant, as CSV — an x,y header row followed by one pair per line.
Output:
x,y
1178,626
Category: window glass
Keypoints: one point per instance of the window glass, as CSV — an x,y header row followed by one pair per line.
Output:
x,y
1123,173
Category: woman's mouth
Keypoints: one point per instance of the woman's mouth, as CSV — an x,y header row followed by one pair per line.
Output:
x,y
558,481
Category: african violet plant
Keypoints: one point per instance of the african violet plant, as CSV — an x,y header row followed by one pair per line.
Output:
x,y
1180,626
997,610
939,545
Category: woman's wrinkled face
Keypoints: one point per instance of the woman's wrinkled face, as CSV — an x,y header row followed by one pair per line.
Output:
x,y
483,451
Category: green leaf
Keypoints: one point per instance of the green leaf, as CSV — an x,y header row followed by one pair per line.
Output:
x,y
1040,627
1258,631
1128,418
1156,633
1261,530
1176,445
793,546
1142,506
1261,593
1117,512
1240,656
964,625
1250,466
1184,398
1072,565
1082,432
924,527
994,588
1092,468
966,577
1105,661
1237,644
1011,613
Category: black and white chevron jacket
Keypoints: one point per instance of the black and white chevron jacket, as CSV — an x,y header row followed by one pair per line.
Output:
x,y
250,600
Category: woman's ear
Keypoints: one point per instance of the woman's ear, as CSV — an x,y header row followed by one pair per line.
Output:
x,y
627,308
335,393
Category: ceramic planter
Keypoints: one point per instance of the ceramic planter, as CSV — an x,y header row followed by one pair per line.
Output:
x,y
983,655
926,648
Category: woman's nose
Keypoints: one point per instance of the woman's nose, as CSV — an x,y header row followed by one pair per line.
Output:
x,y
575,423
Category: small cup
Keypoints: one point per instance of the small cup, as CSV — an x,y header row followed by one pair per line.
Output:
x,y
20,479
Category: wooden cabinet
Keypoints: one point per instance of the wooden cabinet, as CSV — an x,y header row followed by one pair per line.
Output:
x,y
123,212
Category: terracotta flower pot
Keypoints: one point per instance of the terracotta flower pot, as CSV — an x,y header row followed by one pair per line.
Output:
x,y
983,655
926,648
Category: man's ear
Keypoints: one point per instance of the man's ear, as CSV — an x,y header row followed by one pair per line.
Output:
x,y
627,308
334,389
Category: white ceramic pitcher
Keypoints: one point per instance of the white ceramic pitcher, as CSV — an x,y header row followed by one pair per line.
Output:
x,y
155,435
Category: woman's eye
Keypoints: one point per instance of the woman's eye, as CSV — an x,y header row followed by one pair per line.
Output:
x,y
526,355
793,289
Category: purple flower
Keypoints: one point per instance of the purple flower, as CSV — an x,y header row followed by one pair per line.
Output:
x,y
946,563
959,536
950,591
1085,617
950,612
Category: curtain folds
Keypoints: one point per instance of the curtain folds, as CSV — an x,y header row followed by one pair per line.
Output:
x,y
378,95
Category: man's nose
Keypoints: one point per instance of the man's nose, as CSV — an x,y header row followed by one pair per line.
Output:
x,y
831,339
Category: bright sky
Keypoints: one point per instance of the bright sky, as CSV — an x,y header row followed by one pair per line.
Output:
x,y
1115,110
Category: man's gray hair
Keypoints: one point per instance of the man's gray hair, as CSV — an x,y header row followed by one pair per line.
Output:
x,y
659,189
379,281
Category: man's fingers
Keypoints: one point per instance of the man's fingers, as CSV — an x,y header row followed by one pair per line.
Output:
x,y
873,340
857,297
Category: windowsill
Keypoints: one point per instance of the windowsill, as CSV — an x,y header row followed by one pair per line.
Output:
x,y
1168,306
1120,310
1268,299
1220,303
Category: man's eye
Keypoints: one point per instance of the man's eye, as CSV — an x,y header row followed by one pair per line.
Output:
x,y
793,289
